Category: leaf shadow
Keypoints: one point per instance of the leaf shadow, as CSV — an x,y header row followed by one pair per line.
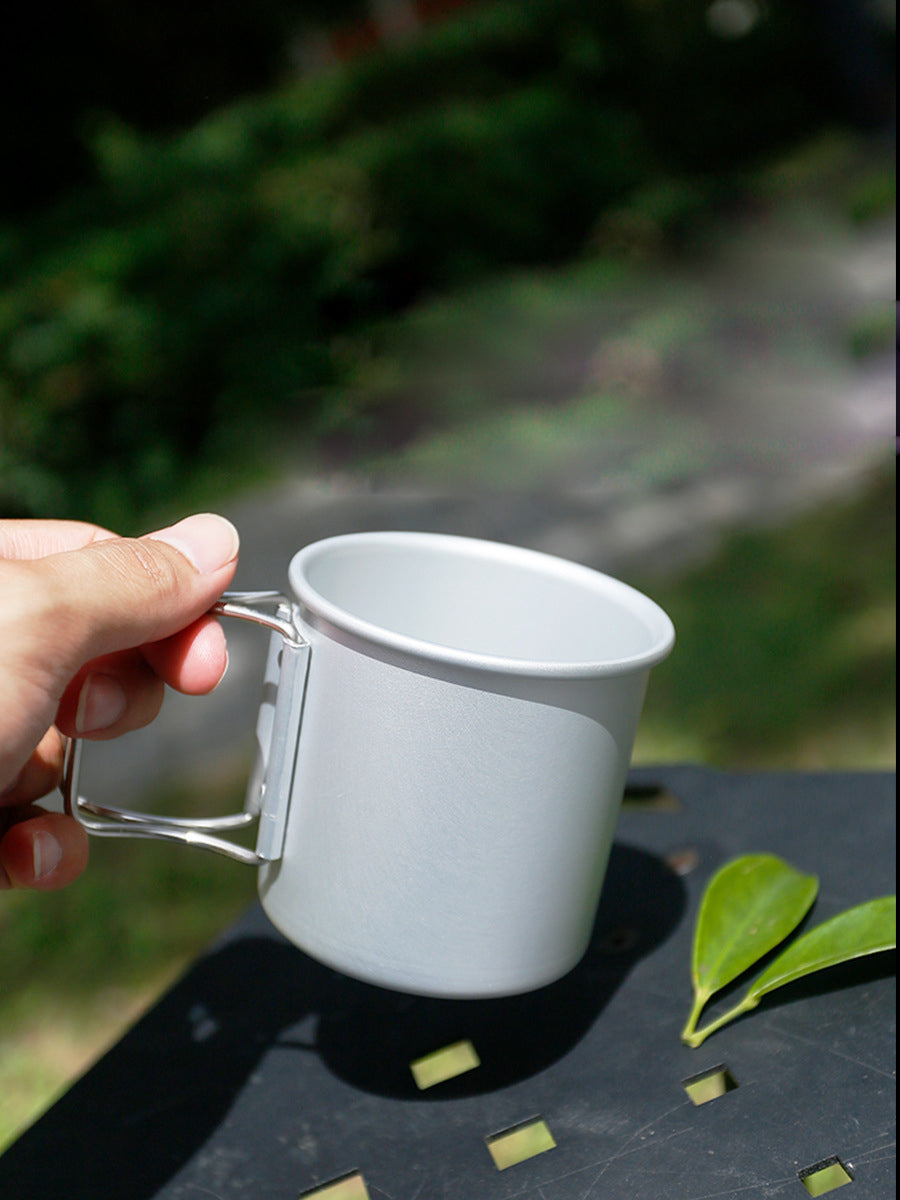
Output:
x,y
829,980
839,978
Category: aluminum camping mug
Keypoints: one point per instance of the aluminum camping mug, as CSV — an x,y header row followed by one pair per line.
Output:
x,y
443,741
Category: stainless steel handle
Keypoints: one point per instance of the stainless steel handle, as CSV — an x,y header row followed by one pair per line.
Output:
x,y
271,805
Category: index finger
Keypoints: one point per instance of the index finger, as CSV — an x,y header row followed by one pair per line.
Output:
x,y
27,539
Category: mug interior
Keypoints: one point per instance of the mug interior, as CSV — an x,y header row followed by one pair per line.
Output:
x,y
479,603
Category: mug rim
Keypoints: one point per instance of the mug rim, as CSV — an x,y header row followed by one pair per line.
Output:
x,y
659,627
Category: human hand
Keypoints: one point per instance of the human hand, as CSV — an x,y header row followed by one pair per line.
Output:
x,y
92,628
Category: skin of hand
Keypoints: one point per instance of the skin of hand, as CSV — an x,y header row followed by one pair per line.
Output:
x,y
92,629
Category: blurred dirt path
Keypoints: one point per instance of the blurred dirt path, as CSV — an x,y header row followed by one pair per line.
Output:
x,y
780,417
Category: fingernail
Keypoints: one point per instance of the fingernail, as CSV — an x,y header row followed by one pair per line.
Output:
x,y
208,541
100,704
47,853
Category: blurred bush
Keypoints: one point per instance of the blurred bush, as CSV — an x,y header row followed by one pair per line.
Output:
x,y
210,285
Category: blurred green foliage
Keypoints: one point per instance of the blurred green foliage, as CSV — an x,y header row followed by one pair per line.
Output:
x,y
214,284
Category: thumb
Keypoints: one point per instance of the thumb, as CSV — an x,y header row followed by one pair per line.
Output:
x,y
124,592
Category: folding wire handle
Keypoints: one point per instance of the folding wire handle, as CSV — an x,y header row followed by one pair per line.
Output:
x,y
271,805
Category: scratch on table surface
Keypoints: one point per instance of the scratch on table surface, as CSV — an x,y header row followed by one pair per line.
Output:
x,y
604,1163
850,1157
865,1156
624,1149
746,1188
869,1162
381,1191
857,1062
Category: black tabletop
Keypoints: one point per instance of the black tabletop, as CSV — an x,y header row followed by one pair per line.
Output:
x,y
265,1075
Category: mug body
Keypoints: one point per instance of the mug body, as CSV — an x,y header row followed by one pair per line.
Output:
x,y
467,727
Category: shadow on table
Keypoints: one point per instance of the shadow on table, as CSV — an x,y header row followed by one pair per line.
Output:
x,y
370,1039
157,1098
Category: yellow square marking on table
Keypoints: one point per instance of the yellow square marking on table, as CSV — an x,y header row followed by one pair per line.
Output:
x,y
443,1064
710,1085
520,1143
825,1177
350,1187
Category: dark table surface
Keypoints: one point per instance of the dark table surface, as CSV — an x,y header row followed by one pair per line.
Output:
x,y
262,1074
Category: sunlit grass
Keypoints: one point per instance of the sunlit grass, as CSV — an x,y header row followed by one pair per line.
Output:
x,y
80,966
786,644
52,1034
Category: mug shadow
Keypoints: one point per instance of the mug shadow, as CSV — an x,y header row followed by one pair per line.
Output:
x,y
370,1039
142,1113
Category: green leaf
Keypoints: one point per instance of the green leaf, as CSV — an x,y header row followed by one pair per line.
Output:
x,y
749,906
866,929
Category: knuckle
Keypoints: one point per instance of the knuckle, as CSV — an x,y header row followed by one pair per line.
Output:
x,y
142,567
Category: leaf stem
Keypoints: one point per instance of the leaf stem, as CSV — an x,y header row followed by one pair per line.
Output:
x,y
700,998
694,1037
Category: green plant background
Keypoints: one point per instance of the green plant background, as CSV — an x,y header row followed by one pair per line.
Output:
x,y
196,287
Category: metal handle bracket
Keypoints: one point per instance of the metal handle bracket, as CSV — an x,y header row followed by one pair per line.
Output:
x,y
277,781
